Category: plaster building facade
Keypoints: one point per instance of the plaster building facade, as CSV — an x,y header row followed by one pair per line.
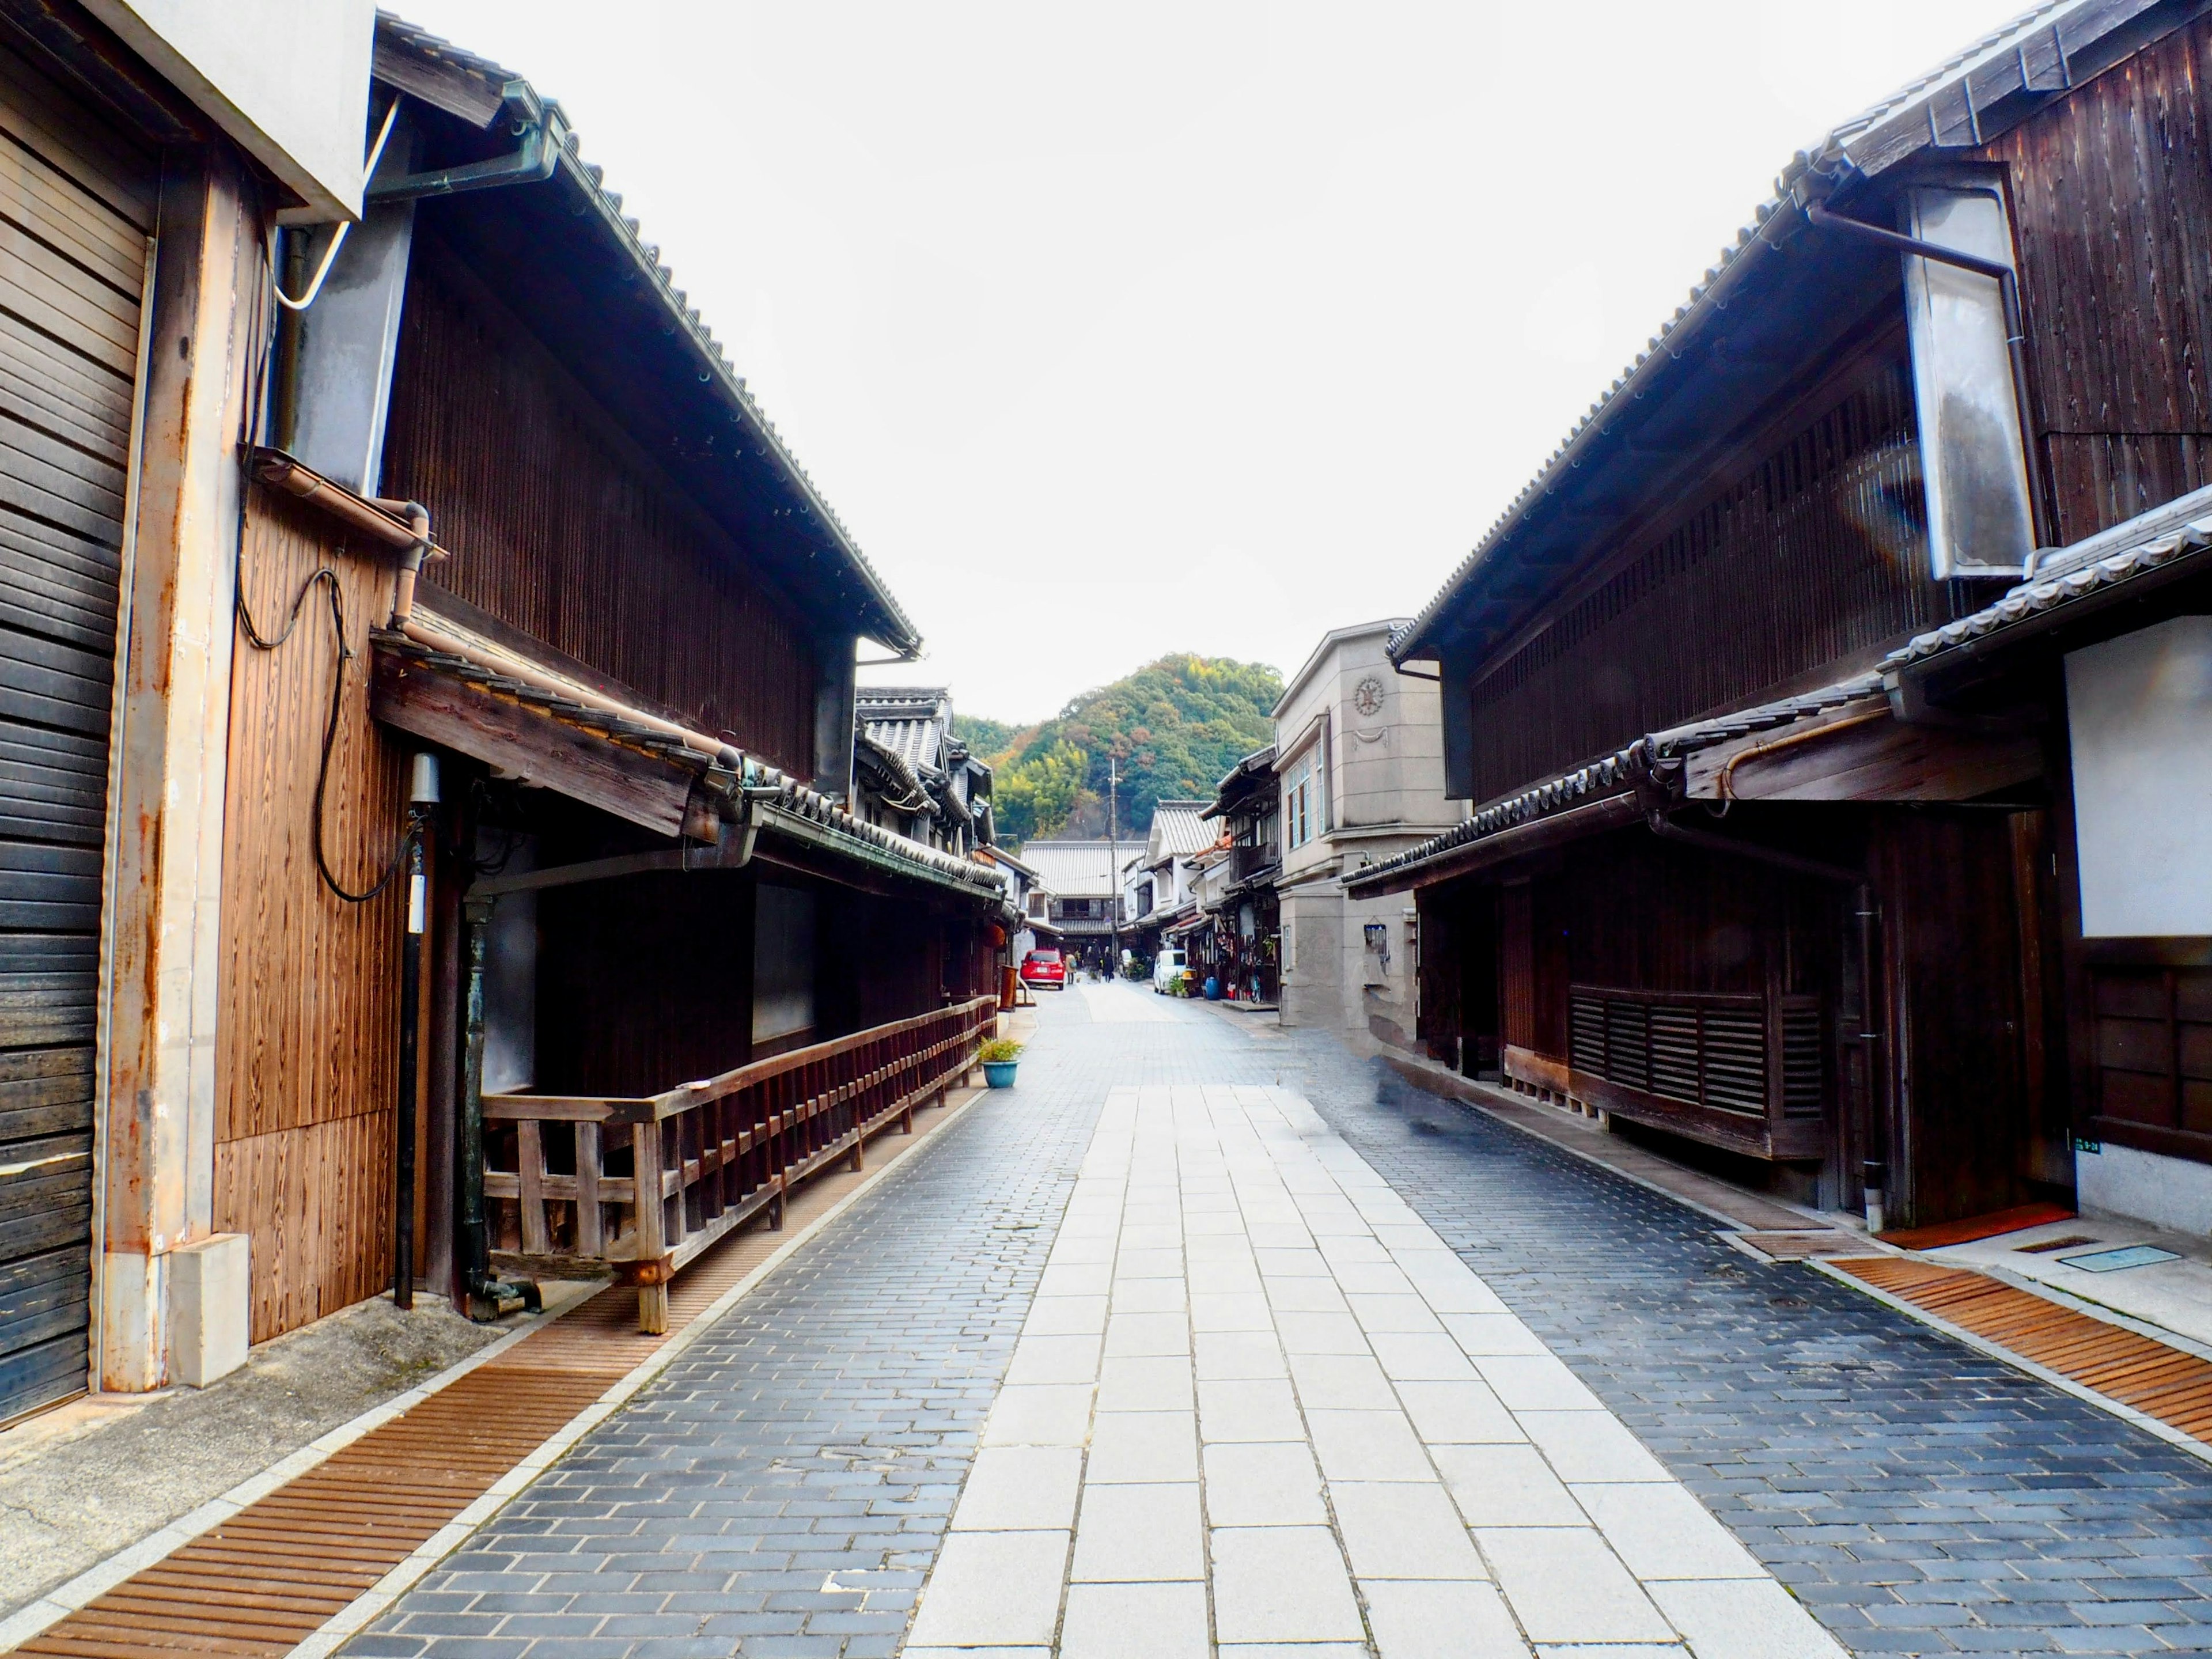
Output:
x,y
1360,763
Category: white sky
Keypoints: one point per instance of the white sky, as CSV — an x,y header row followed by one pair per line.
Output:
x,y
1112,330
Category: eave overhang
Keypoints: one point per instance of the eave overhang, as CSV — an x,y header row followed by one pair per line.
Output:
x,y
1774,303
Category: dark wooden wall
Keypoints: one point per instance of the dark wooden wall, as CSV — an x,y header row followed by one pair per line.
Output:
x,y
644,981
1814,552
1632,912
561,528
2112,193
308,1035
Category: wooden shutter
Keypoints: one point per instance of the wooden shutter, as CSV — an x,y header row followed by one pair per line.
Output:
x,y
76,207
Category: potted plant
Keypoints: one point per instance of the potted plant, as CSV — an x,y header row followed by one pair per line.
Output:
x,y
999,1057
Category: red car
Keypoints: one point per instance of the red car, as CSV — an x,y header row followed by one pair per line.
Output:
x,y
1044,968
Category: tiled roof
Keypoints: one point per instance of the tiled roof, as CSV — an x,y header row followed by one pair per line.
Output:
x,y
2066,580
676,304
790,807
1951,106
1180,829
1619,770
2154,541
915,742
1079,869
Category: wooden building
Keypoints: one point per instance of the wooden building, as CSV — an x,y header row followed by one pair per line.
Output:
x,y
1246,913
419,590
134,215
1769,689
630,650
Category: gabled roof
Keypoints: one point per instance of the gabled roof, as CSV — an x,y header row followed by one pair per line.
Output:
x,y
1388,627
1178,830
1079,869
914,723
1248,774
1973,97
712,398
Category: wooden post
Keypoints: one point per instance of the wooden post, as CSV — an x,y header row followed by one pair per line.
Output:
x,y
652,1246
530,1167
591,1233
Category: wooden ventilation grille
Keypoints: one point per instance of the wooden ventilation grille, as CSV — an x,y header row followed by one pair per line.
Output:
x,y
1711,1051
1804,1075
1735,1060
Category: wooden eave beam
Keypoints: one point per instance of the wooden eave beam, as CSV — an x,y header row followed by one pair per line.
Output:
x,y
1877,760
638,787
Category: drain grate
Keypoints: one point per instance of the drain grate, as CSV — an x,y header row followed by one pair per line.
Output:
x,y
2158,1380
1796,1247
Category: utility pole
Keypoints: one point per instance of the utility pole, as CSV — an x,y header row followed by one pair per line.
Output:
x,y
1113,868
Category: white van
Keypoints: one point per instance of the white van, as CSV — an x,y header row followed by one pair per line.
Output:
x,y
1168,972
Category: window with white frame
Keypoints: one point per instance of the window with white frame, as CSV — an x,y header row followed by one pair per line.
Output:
x,y
1300,802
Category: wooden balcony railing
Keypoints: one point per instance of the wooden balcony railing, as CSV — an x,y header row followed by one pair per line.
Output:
x,y
1246,862
564,1174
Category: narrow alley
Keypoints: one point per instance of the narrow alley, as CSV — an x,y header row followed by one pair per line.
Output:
x,y
1205,1339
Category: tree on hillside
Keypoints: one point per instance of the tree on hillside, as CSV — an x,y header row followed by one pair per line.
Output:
x,y
1174,727
985,739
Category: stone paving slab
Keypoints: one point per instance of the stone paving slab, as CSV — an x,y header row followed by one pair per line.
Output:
x,y
1307,1500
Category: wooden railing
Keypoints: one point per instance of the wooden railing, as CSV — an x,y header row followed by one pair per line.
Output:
x,y
707,1155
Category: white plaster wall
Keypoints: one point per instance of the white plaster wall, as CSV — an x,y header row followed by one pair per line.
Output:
x,y
1313,980
2138,712
2168,1192
288,80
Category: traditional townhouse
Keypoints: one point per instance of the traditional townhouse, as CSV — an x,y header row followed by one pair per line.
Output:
x,y
1244,911
441,663
1156,882
1834,698
1085,881
915,775
1360,768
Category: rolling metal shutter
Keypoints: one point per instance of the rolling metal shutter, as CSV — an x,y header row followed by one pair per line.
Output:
x,y
76,207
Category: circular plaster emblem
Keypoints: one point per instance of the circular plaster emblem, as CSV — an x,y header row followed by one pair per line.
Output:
x,y
1369,696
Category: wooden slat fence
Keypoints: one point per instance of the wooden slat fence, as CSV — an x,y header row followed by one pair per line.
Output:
x,y
566,1171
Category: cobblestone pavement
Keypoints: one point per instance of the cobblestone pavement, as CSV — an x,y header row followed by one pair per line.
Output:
x,y
782,1488
1920,1498
786,1486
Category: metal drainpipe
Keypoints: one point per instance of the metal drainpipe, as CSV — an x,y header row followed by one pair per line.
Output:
x,y
2008,283
410,997
486,1297
411,559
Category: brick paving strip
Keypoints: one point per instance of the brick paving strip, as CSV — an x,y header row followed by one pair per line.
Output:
x,y
1259,1405
1921,1497
313,1558
2151,1379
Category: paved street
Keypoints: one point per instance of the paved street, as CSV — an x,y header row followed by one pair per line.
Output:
x,y
1209,1335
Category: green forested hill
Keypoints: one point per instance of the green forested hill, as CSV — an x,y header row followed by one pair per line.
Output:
x,y
1175,725
985,739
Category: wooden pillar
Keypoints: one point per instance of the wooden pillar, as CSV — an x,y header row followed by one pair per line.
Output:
x,y
161,933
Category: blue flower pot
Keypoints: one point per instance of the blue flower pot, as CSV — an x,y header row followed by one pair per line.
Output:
x,y
1000,1074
